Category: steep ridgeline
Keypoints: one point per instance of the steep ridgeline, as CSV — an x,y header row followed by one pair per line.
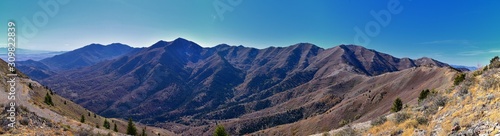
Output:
x,y
182,82
82,57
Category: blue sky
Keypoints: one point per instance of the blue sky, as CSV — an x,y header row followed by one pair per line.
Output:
x,y
453,31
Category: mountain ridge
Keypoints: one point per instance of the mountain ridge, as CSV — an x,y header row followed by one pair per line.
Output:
x,y
180,81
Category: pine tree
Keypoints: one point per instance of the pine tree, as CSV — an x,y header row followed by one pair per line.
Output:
x,y
82,119
423,94
106,124
115,128
220,131
144,132
131,130
48,100
397,105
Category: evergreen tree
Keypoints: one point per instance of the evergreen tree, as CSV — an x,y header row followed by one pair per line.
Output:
x,y
131,130
115,128
220,131
423,94
397,105
48,100
82,119
106,124
144,132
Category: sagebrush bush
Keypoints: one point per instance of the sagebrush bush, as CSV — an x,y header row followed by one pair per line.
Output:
x,y
422,120
459,78
494,62
343,122
401,117
440,100
379,121
346,132
423,95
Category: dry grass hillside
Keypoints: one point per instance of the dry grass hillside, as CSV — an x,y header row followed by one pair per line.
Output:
x,y
35,116
369,99
470,107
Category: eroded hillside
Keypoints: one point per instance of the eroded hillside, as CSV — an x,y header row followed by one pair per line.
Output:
x,y
470,107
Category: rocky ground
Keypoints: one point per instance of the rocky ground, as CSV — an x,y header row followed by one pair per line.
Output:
x,y
469,108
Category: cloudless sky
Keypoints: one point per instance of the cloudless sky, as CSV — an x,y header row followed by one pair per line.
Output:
x,y
453,31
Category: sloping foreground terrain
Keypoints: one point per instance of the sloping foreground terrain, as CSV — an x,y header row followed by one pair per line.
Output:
x,y
470,107
186,88
36,116
369,99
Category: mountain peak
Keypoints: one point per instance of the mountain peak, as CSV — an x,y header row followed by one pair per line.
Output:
x,y
117,45
180,39
179,42
305,45
160,43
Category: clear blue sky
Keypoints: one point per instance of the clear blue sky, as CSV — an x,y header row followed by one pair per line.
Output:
x,y
456,32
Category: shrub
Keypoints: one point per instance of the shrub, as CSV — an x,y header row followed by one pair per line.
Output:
x,y
48,100
401,117
463,91
440,100
106,124
347,132
82,119
430,109
397,105
379,121
220,131
115,128
490,97
478,72
459,78
495,62
144,132
423,94
422,120
84,132
24,121
343,122
66,127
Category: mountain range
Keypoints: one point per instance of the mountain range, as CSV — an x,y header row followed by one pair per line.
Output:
x,y
186,88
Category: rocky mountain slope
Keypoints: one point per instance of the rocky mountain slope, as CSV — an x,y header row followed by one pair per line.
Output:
x,y
186,88
469,107
36,116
